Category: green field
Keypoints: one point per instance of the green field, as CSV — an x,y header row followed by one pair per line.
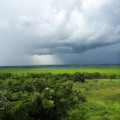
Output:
x,y
103,98
71,69
102,95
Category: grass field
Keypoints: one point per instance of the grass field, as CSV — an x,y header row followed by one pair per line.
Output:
x,y
71,69
103,98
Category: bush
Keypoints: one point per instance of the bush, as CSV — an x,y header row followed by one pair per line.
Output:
x,y
78,77
80,112
36,97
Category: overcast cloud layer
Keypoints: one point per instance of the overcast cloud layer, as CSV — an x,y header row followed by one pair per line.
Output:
x,y
59,32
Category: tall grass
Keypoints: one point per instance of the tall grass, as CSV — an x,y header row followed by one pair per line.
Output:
x,y
103,98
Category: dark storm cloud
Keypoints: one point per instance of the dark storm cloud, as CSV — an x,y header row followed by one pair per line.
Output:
x,y
103,55
29,28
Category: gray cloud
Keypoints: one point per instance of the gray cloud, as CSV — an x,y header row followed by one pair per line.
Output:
x,y
29,28
104,55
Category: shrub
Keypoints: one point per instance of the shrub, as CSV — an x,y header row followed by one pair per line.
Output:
x,y
78,77
80,112
32,97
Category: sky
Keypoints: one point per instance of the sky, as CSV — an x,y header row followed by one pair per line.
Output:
x,y
48,32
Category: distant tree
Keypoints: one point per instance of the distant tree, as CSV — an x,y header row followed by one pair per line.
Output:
x,y
78,77
96,75
112,77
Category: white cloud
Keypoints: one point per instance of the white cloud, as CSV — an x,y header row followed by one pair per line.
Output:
x,y
4,24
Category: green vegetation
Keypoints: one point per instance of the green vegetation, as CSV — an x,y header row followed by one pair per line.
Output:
x,y
38,97
71,69
92,94
103,98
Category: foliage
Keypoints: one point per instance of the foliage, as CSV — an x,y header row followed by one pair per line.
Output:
x,y
46,96
78,77
36,96
80,112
